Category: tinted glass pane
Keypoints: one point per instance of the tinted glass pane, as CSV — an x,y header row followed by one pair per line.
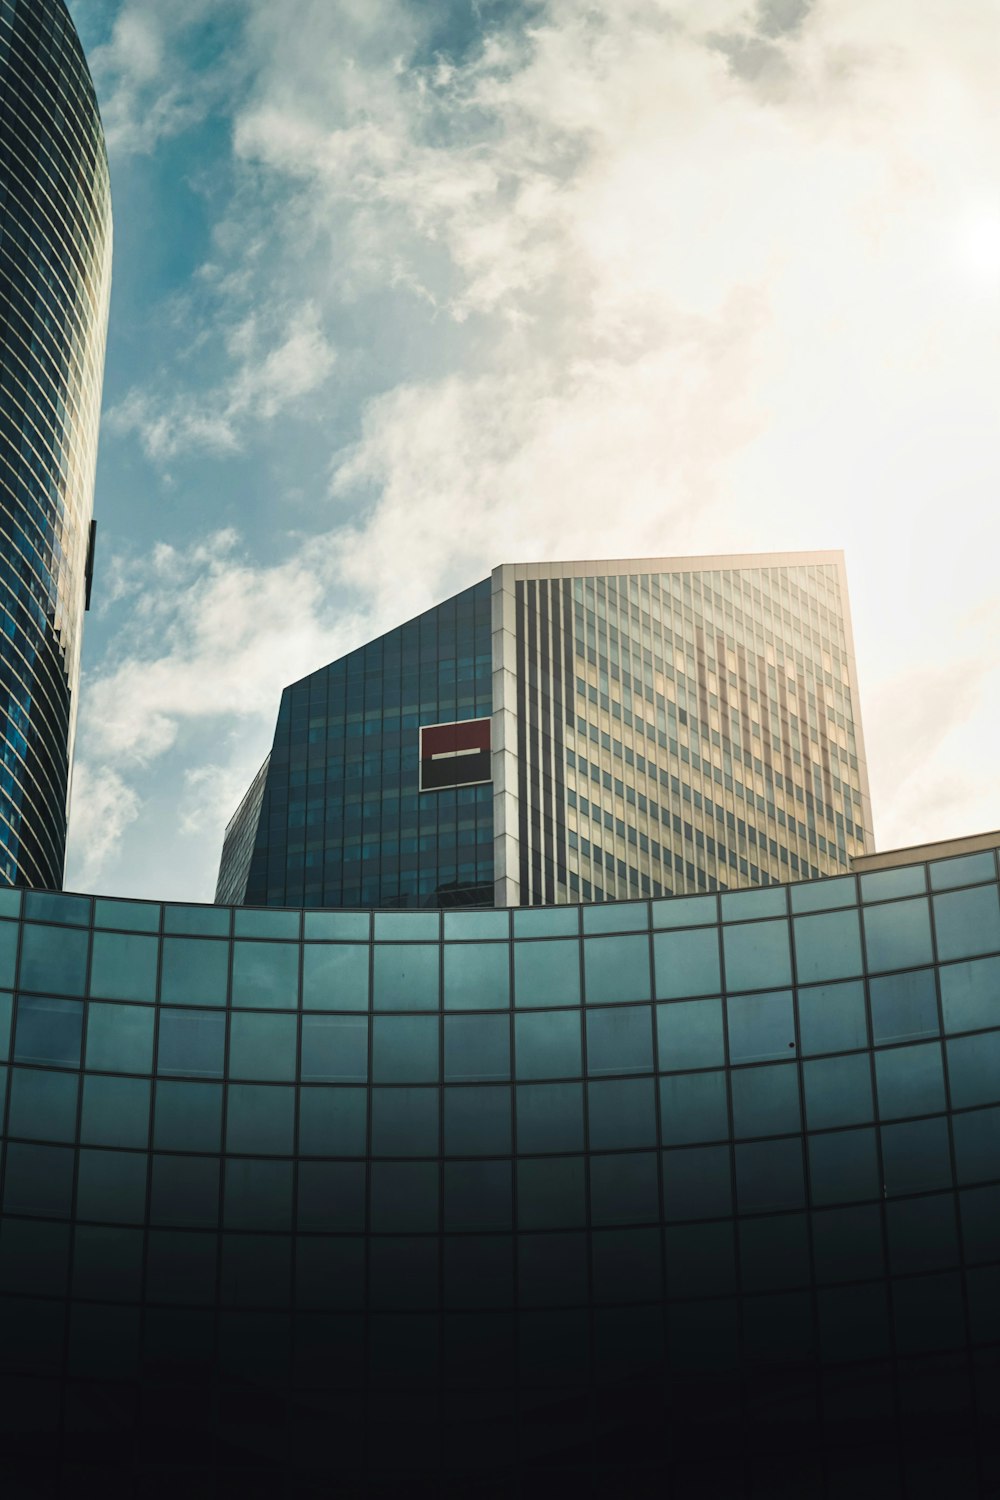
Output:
x,y
970,994
885,885
915,1156
184,1192
967,922
700,1260
38,1180
814,895
115,1112
334,1049
260,1119
757,956
326,926
693,1108
697,1184
466,925
547,973
405,1049
827,946
624,1189
847,1243
263,923
769,1176
689,1034
974,1069
685,911
54,959
123,967
262,1046
977,1144
622,1114
476,1047
133,916
332,1121
331,1195
266,975
922,1233
550,1117
48,1031
6,1015
192,1042
761,1027
904,1007
478,1195
404,1197
405,1122
746,906
335,977
843,1166
898,936
832,1018
194,973
8,952
774,1252
687,963
476,976
111,1186
910,1080
766,1100
966,870
258,1195
187,1117
616,969
620,1041
552,921
548,1045
210,921
406,977
838,1091
120,1038
477,1122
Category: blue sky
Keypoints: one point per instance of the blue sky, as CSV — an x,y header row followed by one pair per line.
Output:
x,y
406,288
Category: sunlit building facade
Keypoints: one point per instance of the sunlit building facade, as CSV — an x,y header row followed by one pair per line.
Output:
x,y
567,732
55,277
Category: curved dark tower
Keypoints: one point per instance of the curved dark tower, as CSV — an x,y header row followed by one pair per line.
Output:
x,y
55,281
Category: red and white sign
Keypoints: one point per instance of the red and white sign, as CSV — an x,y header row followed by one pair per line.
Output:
x,y
455,754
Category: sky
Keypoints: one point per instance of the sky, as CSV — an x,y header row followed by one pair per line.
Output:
x,y
404,289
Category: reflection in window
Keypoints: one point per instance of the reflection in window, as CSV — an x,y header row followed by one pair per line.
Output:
x,y
48,1031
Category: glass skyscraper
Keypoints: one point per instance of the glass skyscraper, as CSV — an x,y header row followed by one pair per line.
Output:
x,y
566,732
55,277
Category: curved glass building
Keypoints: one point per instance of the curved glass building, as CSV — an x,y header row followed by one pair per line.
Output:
x,y
689,1197
55,278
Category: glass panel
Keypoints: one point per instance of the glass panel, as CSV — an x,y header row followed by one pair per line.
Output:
x,y
816,895
262,1047
405,1122
477,1122
185,1192
192,1042
974,1069
476,1047
8,951
111,1186
616,916
54,959
332,1122
548,1045
120,1038
404,1197
843,1166
552,921
966,870
697,1184
266,975
967,922
689,1034
761,1027
550,1117
757,956
910,1080
258,1195
832,1018
406,978
405,1049
977,1144
115,1112
207,921
194,972
53,906
687,963
685,911
838,1091
334,1049
6,1014
328,926
885,885
260,1120
335,977
769,1176
980,1223
622,1114
478,1195
187,1117
774,1253
915,1156
827,946
922,1234
970,994
477,976
700,1259
898,936
746,906
904,1007
48,1031
693,1108
331,1195
133,916
847,1243
39,1180
254,922
766,1100
466,925
624,1189
616,969
406,926
123,967
547,973
620,1040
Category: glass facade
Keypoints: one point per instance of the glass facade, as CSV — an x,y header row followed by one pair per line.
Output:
x,y
689,1197
55,278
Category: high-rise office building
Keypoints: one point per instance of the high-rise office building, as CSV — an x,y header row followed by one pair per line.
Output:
x,y
55,278
567,732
